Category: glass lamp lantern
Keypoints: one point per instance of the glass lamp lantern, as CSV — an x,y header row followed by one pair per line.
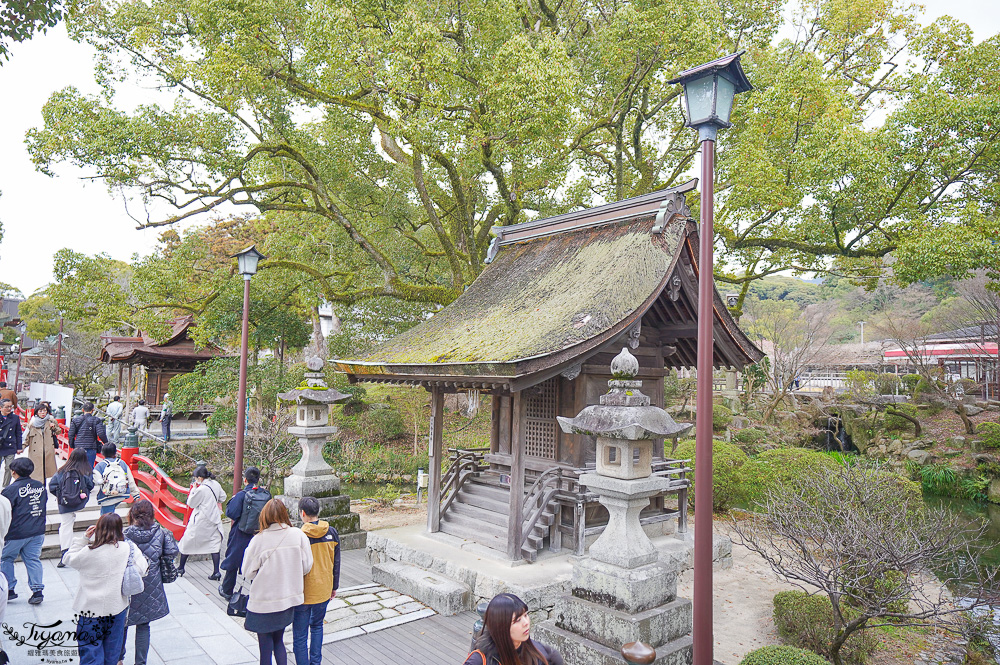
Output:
x,y
248,260
709,90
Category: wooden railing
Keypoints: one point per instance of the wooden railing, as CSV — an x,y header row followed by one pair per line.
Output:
x,y
465,462
168,498
540,497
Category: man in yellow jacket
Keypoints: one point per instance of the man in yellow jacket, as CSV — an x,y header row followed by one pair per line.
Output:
x,y
320,584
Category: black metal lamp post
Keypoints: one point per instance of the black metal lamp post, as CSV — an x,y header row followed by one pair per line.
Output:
x,y
709,90
247,261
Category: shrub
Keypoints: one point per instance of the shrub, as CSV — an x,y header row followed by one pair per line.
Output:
x,y
782,655
910,382
894,423
939,479
888,384
721,417
806,621
751,435
990,434
775,468
726,462
388,422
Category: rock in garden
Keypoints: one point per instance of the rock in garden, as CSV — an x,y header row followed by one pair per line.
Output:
x,y
919,456
973,410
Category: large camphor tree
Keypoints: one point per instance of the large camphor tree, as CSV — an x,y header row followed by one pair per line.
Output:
x,y
383,140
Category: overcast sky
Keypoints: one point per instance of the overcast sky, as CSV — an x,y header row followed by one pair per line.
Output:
x,y
41,215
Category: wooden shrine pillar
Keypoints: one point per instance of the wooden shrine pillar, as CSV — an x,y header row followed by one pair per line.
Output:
x,y
434,449
516,514
120,369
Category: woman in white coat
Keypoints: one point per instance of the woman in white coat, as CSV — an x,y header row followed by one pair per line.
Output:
x,y
100,606
203,533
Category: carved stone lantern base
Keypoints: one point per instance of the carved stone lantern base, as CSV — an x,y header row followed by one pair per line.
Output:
x,y
623,542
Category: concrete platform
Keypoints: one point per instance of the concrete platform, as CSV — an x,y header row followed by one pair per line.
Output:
x,y
486,572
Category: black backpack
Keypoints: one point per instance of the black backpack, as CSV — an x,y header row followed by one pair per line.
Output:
x,y
70,488
254,500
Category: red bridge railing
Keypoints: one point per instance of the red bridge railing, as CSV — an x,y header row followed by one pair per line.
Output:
x,y
168,497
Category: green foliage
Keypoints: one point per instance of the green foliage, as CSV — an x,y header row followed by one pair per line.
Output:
x,y
389,421
365,325
727,460
888,584
782,655
721,417
806,621
894,423
750,435
773,469
990,434
40,316
20,19
910,382
365,461
938,479
860,382
387,495
975,487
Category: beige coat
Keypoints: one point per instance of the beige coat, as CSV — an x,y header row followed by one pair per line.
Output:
x,y
101,573
275,563
38,442
203,534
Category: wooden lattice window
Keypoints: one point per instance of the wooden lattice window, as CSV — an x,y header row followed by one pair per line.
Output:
x,y
540,420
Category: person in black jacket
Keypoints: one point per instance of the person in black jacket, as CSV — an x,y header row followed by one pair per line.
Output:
x,y
11,437
76,475
505,637
239,540
87,431
26,534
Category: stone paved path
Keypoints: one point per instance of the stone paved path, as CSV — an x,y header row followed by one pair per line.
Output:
x,y
366,623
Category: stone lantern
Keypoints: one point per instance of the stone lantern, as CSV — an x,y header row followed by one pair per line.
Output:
x,y
312,476
622,592
625,425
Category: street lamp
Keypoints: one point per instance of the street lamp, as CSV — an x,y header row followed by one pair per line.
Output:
x,y
709,90
247,261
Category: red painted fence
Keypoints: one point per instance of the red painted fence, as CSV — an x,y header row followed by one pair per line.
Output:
x,y
168,498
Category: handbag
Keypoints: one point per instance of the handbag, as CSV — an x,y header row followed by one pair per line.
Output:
x,y
168,567
237,606
132,584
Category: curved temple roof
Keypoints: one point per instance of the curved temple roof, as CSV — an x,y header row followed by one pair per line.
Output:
x,y
556,290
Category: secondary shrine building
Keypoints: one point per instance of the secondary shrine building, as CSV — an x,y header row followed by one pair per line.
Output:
x,y
537,330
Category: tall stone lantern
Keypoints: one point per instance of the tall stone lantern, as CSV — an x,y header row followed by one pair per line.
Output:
x,y
622,592
312,476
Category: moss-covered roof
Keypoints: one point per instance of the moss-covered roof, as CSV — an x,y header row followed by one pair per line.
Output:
x,y
537,298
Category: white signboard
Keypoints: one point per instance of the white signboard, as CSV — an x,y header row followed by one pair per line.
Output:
x,y
57,395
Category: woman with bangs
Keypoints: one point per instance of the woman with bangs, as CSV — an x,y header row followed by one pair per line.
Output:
x,y
100,605
505,638
274,565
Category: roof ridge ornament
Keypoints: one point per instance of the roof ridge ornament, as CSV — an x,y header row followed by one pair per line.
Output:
x,y
672,207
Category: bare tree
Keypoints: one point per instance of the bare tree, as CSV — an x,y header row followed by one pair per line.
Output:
x,y
798,338
864,539
267,446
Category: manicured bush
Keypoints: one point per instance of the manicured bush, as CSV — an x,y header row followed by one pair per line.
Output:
x,y
726,462
751,435
894,423
806,621
782,655
990,434
775,468
910,382
721,417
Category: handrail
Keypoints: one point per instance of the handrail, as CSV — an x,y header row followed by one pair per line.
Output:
x,y
451,483
158,488
155,486
546,486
